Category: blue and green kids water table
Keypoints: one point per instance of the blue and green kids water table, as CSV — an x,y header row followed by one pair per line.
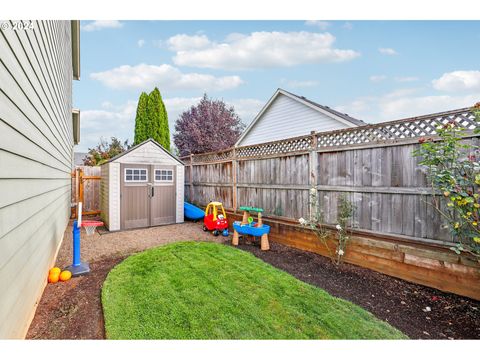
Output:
x,y
248,227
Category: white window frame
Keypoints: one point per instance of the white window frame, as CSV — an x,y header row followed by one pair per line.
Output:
x,y
135,181
162,181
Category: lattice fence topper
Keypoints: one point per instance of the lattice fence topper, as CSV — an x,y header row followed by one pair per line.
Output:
x,y
386,131
291,145
396,130
212,156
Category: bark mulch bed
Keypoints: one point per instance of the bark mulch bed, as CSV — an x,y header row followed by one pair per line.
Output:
x,y
73,310
400,303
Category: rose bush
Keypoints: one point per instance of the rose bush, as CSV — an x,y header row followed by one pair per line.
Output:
x,y
453,170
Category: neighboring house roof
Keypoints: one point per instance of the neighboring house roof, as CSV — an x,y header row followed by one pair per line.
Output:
x,y
330,110
141,144
78,158
342,118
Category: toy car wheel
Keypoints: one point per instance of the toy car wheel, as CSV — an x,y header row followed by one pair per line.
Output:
x,y
205,228
225,232
216,232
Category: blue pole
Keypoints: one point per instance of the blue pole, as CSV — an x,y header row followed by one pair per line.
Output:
x,y
76,244
77,268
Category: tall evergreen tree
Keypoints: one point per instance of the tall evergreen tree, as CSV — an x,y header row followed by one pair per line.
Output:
x,y
141,120
157,119
153,115
164,128
152,119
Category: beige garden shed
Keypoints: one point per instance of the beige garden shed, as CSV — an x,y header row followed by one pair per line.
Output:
x,y
142,187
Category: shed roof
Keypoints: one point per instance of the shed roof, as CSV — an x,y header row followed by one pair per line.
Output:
x,y
141,144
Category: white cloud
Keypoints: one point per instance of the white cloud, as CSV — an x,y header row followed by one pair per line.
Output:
x,y
110,120
387,51
186,42
322,25
419,105
404,79
140,43
164,76
119,120
102,24
247,109
299,83
403,103
377,78
458,81
347,25
258,50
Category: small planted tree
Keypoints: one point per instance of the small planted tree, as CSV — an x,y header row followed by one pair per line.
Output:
x,y
209,126
453,170
316,223
104,151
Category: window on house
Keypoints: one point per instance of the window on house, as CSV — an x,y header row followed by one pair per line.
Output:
x,y
136,175
164,175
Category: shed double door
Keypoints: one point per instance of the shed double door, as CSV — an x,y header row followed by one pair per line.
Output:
x,y
148,195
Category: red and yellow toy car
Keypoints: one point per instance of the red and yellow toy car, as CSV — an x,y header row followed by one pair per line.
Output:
x,y
215,219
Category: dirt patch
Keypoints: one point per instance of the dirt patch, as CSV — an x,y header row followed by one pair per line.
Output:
x,y
73,310
400,303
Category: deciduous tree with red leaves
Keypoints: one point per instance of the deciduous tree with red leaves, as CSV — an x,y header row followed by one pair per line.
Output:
x,y
211,125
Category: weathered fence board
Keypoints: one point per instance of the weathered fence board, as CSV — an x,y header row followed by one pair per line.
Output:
x,y
373,166
89,190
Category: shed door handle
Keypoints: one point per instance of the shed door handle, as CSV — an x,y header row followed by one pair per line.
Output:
x,y
153,191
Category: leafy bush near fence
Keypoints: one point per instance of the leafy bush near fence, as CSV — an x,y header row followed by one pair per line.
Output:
x,y
453,169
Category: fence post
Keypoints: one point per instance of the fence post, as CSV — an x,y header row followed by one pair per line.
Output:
x,y
80,187
191,178
313,168
234,180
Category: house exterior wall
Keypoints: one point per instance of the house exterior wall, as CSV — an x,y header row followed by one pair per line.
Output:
x,y
36,160
287,118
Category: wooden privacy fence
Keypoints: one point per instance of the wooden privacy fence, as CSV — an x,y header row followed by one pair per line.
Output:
x,y
372,165
86,189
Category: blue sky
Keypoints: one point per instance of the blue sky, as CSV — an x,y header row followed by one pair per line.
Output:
x,y
372,70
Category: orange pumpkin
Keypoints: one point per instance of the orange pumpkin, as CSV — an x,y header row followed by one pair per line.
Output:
x,y
65,275
53,277
55,270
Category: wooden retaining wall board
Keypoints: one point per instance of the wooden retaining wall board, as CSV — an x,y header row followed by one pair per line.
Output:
x,y
424,264
373,166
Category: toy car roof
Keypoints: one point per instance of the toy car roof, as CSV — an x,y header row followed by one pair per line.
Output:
x,y
215,203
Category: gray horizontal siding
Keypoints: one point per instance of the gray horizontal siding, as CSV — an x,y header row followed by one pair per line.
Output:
x,y
36,147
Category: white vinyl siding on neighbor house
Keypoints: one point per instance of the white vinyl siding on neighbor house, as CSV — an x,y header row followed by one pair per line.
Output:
x,y
36,159
285,118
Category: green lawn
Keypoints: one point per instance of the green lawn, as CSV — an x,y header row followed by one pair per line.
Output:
x,y
198,290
